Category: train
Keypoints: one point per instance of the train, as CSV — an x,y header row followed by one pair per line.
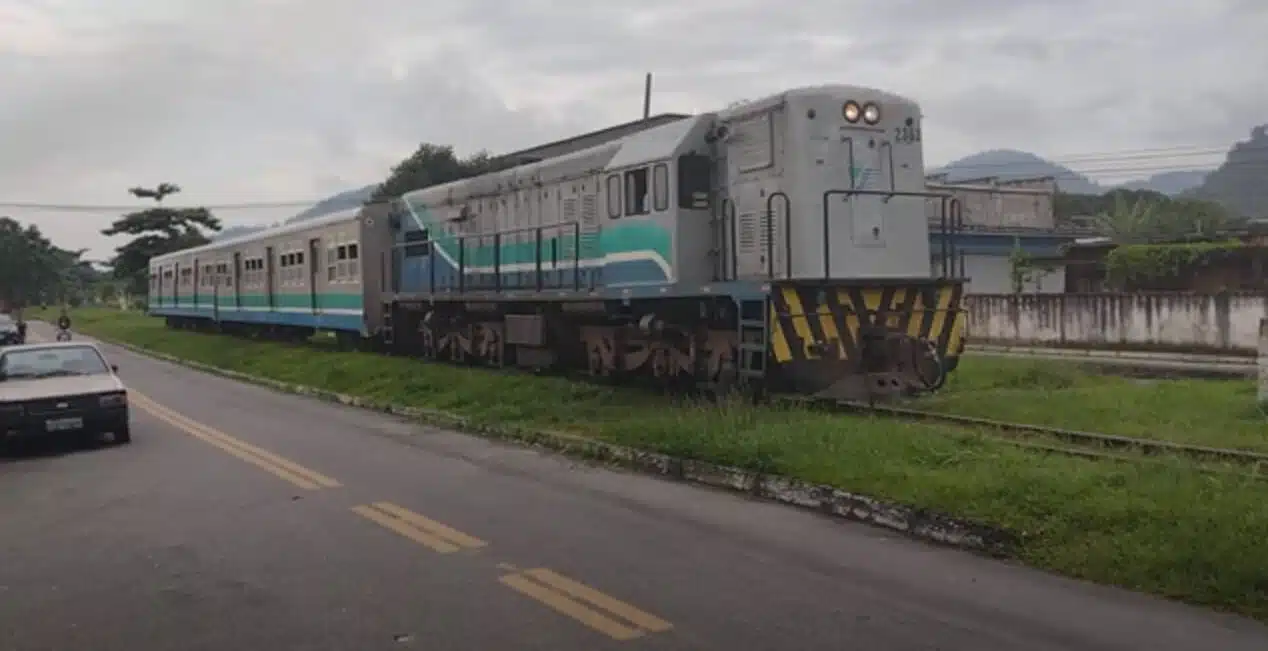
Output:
x,y
781,244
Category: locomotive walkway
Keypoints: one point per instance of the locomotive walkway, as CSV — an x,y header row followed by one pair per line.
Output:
x,y
244,519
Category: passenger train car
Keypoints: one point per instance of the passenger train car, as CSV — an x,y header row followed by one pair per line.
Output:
x,y
285,282
782,243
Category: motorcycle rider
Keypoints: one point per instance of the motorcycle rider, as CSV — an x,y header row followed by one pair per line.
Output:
x,y
63,326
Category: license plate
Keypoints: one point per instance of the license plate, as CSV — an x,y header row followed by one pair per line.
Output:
x,y
63,424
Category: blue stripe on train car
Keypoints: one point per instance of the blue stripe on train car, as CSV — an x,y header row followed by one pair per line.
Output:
x,y
353,322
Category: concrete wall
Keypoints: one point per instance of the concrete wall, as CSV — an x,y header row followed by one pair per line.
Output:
x,y
1225,323
990,273
1263,362
1001,204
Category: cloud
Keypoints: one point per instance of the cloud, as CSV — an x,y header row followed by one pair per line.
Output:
x,y
295,99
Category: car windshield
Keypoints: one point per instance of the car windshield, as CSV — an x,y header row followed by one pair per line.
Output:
x,y
51,362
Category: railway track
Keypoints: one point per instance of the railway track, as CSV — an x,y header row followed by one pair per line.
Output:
x,y
1085,444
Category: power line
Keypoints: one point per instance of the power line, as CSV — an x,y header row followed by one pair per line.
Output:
x,y
1124,162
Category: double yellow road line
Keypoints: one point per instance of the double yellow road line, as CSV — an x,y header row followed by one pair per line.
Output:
x,y
601,612
571,597
290,471
438,537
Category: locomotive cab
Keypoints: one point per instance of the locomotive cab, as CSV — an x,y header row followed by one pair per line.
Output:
x,y
825,199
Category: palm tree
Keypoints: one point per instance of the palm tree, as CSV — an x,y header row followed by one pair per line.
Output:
x,y
1126,222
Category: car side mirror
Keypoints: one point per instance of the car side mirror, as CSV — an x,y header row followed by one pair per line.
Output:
x,y
114,367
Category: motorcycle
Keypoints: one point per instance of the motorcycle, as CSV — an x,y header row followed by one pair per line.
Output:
x,y
63,334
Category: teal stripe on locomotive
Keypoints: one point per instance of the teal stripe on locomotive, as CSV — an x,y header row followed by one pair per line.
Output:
x,y
629,252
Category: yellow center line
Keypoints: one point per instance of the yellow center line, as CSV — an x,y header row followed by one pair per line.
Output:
x,y
283,468
430,526
564,595
613,605
424,531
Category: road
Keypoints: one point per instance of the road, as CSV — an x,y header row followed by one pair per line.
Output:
x,y
243,519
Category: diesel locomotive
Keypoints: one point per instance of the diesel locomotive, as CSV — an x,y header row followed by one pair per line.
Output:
x,y
782,244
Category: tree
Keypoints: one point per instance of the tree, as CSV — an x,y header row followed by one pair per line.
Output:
x,y
433,165
157,194
1024,269
155,231
32,269
1140,217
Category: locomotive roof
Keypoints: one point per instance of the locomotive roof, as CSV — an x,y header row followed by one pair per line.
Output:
x,y
643,146
842,90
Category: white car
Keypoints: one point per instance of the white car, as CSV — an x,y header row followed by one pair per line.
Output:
x,y
61,389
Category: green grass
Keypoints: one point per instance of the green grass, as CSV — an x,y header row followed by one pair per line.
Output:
x,y
1220,413
1162,528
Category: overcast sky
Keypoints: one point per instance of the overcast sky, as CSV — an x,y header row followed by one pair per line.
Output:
x,y
292,100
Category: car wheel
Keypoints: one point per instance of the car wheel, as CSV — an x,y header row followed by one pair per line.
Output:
x,y
123,435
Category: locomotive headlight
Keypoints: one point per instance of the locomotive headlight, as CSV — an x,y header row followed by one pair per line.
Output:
x,y
851,111
871,113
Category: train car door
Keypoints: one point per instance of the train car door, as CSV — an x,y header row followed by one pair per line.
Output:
x,y
195,291
314,247
237,279
268,277
176,284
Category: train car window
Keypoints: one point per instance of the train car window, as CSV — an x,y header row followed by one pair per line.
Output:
x,y
637,191
694,181
614,197
660,187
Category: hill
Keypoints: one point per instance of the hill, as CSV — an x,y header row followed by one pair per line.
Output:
x,y
1012,164
1240,182
1008,164
341,201
1169,183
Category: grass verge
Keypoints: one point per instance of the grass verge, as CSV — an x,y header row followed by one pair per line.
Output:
x,y
1219,413
1161,529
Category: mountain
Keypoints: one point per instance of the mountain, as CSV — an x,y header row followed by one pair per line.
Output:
x,y
1008,164
1239,183
1012,164
236,231
1169,183
341,201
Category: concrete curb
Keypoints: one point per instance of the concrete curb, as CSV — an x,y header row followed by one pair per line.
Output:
x,y
915,522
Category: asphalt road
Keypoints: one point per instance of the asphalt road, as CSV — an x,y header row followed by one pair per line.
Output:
x,y
241,519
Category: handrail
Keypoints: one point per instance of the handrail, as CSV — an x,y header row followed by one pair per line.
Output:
x,y
947,201
770,234
538,281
